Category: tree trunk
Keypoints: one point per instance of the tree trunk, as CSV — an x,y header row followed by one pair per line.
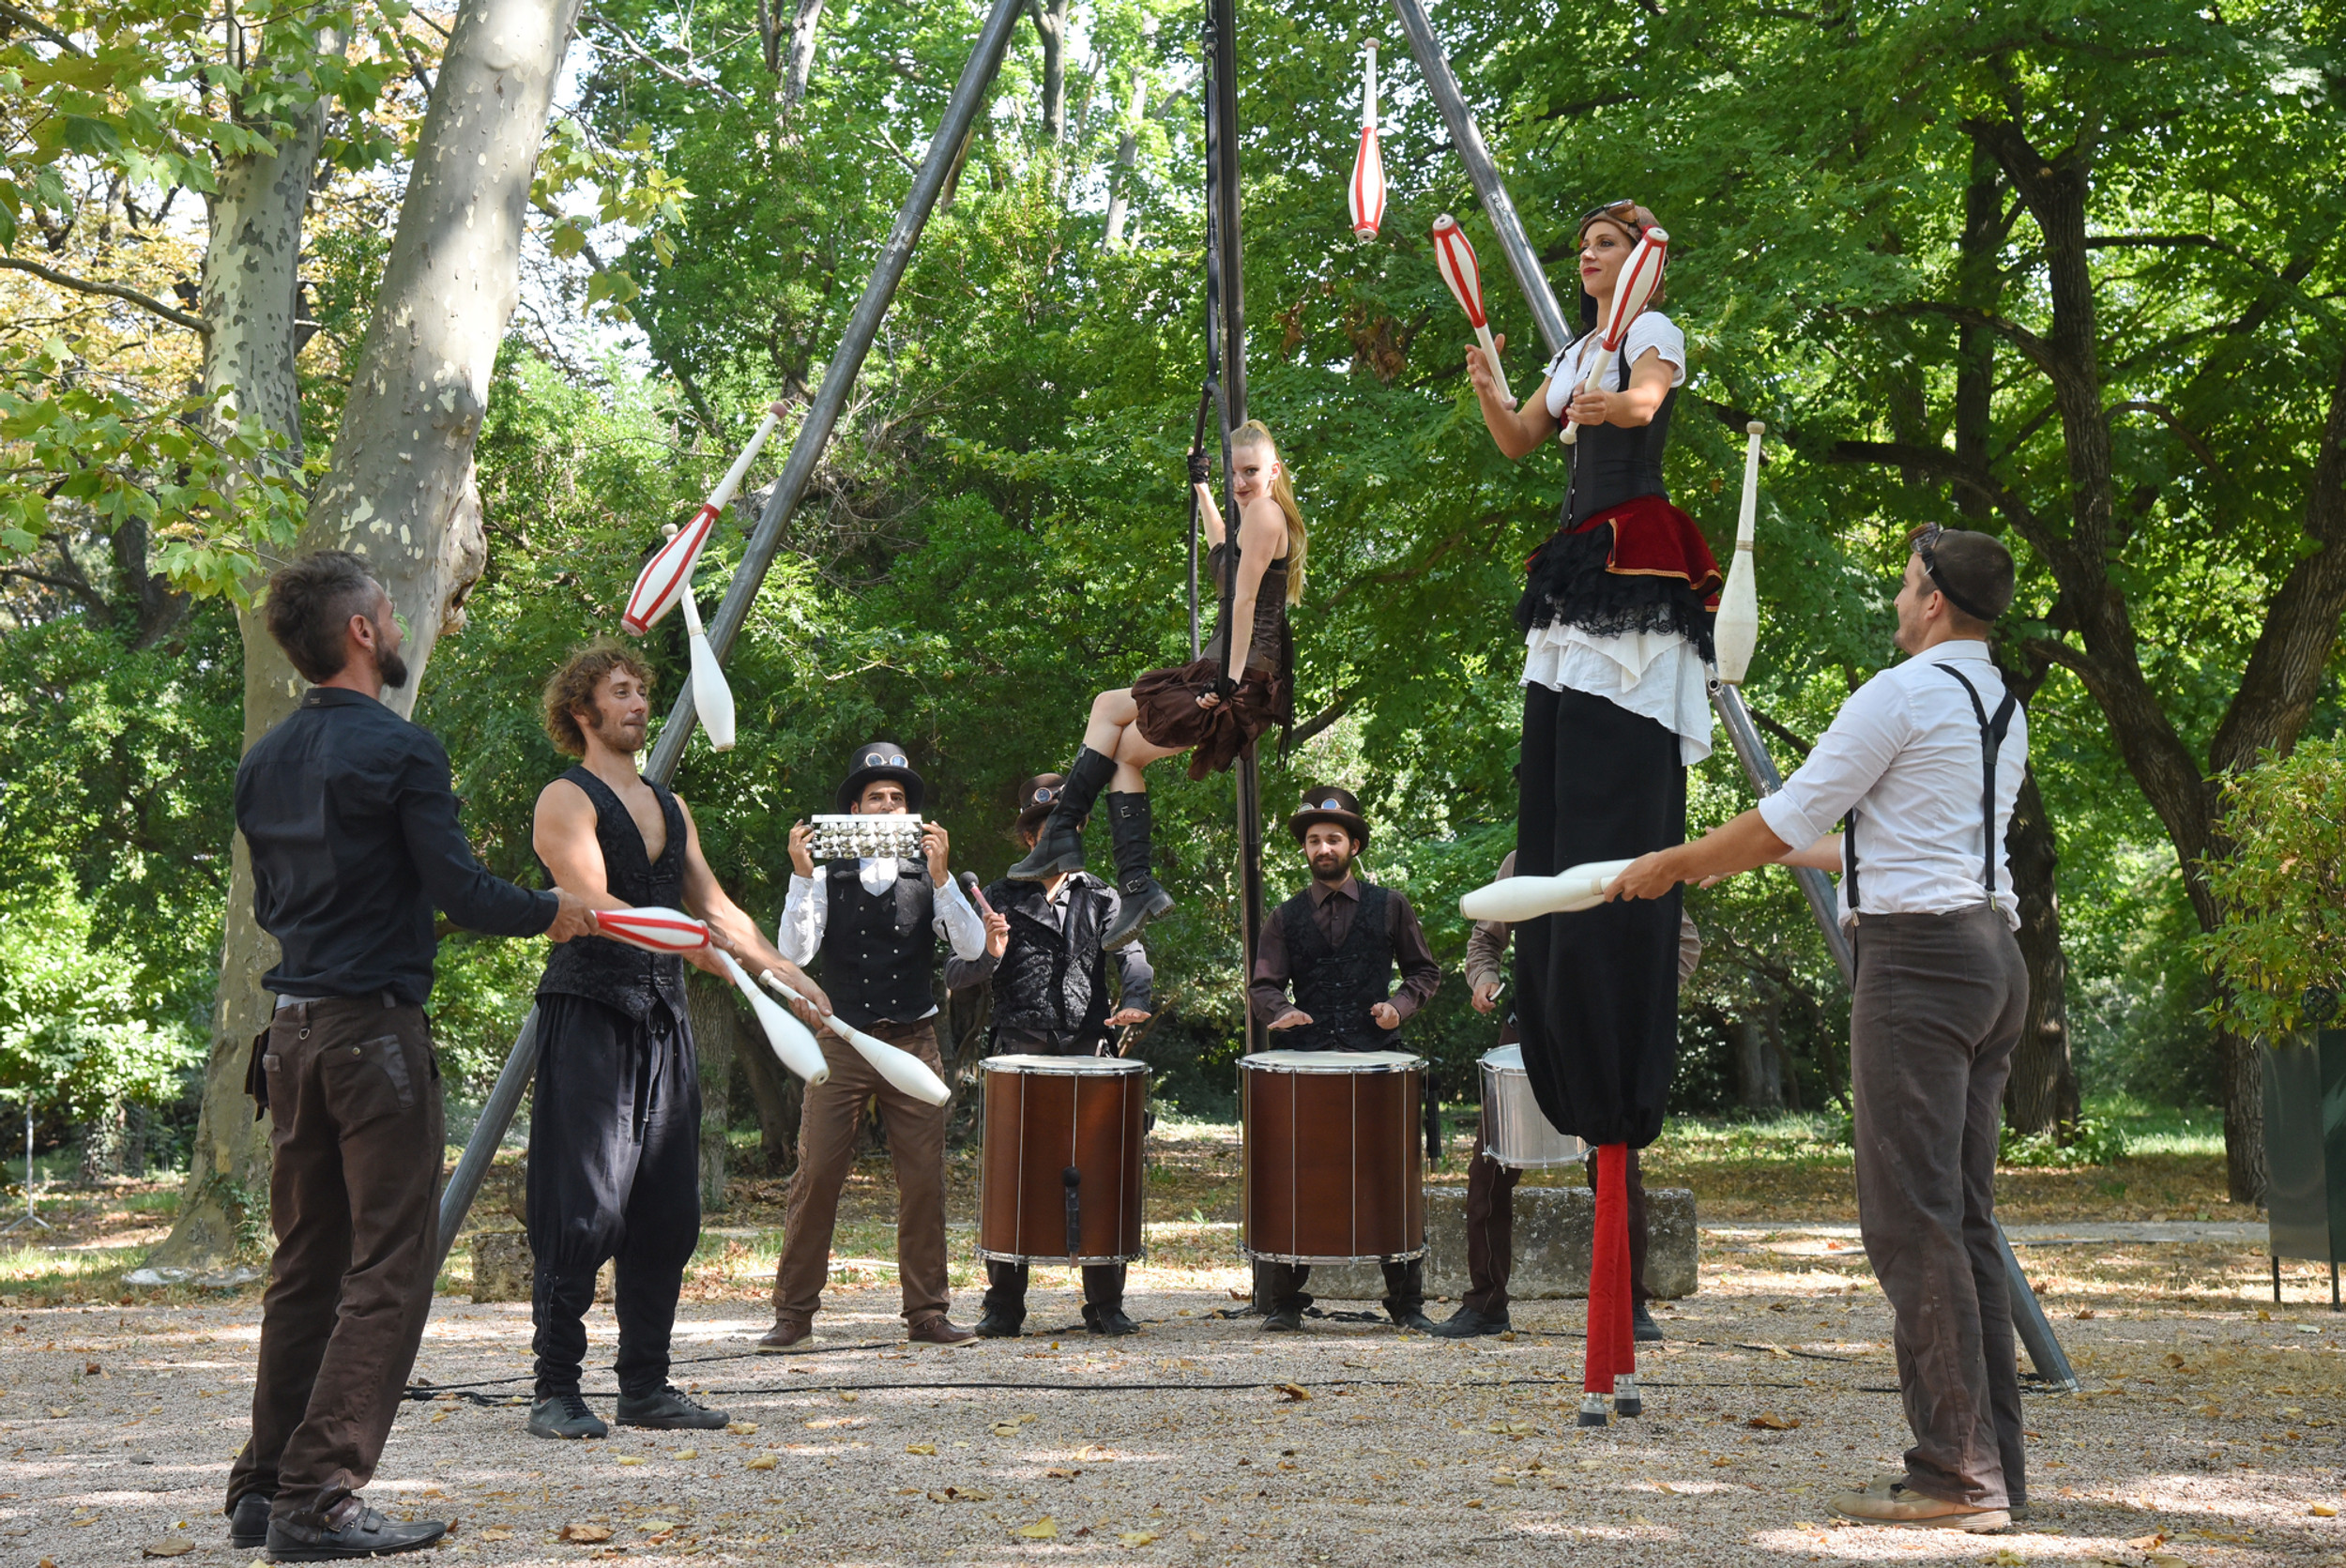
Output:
x,y
399,486
777,1094
1127,157
1050,19
798,62
1760,1078
717,1036
2042,1093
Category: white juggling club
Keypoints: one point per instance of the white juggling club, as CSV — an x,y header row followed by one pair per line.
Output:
x,y
1641,275
712,699
793,1043
1366,195
652,928
663,578
1453,257
1737,631
1527,898
901,1068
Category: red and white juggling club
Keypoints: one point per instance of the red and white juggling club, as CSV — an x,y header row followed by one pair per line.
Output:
x,y
661,582
653,928
792,1042
1641,275
1455,257
1367,191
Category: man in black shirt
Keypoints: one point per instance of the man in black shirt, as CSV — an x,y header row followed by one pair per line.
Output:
x,y
352,826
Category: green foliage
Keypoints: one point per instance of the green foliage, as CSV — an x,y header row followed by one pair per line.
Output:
x,y
75,1032
2283,888
2094,1141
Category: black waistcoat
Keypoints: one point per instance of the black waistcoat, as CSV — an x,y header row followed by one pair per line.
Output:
x,y
879,950
1611,464
613,973
1052,980
1338,986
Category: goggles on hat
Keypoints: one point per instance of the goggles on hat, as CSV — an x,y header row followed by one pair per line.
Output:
x,y
1623,212
1923,546
883,760
1043,796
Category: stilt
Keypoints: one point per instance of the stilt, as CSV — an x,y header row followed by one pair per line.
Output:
x,y
1627,1400
2276,1279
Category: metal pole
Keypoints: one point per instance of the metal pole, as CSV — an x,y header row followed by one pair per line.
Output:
x,y
32,1216
822,414
2027,1312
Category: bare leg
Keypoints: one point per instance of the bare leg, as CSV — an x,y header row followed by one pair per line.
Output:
x,y
1112,734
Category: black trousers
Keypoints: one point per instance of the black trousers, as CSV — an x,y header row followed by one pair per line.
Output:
x,y
1280,1287
1006,1290
613,1173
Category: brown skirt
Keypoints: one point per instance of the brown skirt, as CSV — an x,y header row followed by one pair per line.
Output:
x,y
1213,736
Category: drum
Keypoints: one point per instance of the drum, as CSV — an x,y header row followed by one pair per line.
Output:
x,y
1060,1181
1332,1156
1516,1131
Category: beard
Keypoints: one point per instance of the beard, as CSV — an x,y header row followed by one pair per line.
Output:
x,y
392,668
622,734
1332,868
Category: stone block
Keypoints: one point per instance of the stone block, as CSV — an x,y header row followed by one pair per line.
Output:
x,y
1553,1228
503,1265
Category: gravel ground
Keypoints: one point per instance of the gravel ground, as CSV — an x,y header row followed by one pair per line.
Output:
x,y
2204,1437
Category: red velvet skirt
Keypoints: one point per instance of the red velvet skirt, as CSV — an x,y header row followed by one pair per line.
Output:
x,y
1213,736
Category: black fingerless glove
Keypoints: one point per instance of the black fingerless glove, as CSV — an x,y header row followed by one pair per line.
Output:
x,y
1222,686
1200,470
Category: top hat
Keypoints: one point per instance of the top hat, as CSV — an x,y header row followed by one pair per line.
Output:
x,y
1036,798
879,759
1338,806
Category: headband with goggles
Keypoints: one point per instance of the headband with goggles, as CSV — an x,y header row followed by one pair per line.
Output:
x,y
1923,546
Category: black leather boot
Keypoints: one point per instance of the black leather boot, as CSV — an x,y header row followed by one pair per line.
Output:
x,y
1143,899
1060,844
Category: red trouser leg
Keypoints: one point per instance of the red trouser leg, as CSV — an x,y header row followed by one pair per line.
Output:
x,y
1611,1343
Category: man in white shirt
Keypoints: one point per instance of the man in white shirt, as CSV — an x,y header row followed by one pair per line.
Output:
x,y
875,922
1922,765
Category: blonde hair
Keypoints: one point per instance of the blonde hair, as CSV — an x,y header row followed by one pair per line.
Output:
x,y
1254,434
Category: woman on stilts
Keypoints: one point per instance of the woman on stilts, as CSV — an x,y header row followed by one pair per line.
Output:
x,y
1616,615
1238,687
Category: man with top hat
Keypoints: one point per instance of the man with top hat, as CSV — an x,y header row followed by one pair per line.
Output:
x,y
1490,1202
1921,767
1338,944
874,922
1048,968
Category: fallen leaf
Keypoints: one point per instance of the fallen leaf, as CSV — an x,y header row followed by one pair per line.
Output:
x,y
741,1428
630,1459
1006,1429
497,1533
2323,1511
1044,1529
1197,1535
688,1453
1772,1423
442,1416
584,1535
2006,1557
1055,1474
1295,1393
929,1449
651,1527
760,1462
845,1399
1474,1502
2144,1543
1137,1537
170,1545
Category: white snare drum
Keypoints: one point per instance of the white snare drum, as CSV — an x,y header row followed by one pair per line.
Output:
x,y
1515,1133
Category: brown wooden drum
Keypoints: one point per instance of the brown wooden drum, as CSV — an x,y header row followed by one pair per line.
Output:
x,y
1061,1178
1332,1156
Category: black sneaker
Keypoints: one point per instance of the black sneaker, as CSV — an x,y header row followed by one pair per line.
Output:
x,y
1642,1328
565,1415
1109,1321
668,1409
999,1325
1467,1323
248,1522
1283,1320
362,1532
1412,1321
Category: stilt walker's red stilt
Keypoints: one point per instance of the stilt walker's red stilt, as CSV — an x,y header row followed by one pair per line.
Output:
x,y
1612,1357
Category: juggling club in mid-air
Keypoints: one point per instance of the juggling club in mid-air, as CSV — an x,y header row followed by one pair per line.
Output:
x,y
661,582
1641,275
1367,193
1454,257
1737,629
712,699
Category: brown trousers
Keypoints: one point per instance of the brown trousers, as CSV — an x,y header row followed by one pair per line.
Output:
x,y
829,1124
1490,1226
356,1139
1939,1006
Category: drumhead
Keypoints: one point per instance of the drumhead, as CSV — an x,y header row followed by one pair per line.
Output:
x,y
1331,1061
1063,1064
1507,1058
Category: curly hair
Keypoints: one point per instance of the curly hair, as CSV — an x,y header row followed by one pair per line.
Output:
x,y
572,687
309,606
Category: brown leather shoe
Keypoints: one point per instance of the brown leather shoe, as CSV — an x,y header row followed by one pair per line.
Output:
x,y
939,1329
787,1333
1901,1507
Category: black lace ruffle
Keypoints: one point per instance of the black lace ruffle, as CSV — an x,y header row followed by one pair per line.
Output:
x,y
1569,586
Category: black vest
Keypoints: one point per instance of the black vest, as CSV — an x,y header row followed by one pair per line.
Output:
x,y
1338,986
613,973
879,950
1610,464
1052,980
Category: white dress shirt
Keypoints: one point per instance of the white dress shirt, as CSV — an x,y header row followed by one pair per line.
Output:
x,y
1658,676
1904,751
807,910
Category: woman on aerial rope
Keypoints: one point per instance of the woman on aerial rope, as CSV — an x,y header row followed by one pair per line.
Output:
x,y
1213,707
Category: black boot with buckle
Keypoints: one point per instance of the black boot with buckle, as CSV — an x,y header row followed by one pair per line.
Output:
x,y
1129,824
1060,844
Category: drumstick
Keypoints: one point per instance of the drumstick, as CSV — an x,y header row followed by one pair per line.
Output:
x,y
1737,631
1527,898
792,1042
658,584
1453,258
1641,275
711,697
900,1067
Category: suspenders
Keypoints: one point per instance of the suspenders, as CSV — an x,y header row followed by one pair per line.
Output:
x,y
1991,732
